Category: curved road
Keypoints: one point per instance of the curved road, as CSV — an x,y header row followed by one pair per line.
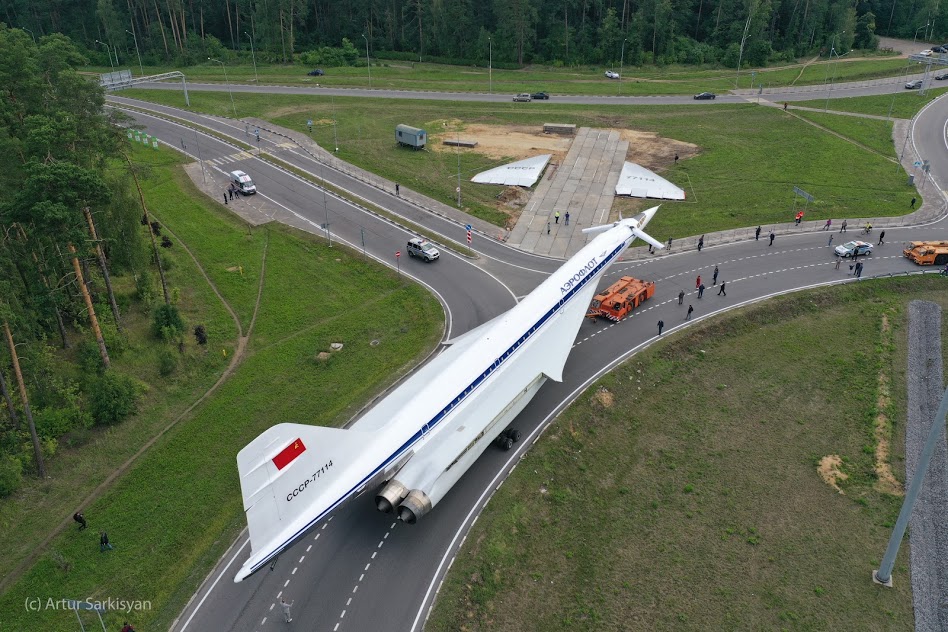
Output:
x,y
361,570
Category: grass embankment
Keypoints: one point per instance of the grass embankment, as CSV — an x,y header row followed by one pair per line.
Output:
x,y
874,134
748,158
901,104
636,81
681,492
174,513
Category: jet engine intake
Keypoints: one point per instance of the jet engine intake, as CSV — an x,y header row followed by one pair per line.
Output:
x,y
415,505
391,496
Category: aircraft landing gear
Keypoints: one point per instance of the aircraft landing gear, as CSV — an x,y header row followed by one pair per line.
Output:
x,y
507,438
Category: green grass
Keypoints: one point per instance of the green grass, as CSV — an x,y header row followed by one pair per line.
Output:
x,y
748,157
692,499
642,80
872,133
899,105
173,514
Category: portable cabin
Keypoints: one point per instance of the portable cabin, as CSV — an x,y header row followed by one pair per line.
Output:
x,y
410,136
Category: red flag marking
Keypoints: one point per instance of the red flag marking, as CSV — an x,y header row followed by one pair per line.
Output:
x,y
288,454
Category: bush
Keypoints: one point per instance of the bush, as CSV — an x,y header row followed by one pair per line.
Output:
x,y
167,362
55,422
11,475
111,398
166,322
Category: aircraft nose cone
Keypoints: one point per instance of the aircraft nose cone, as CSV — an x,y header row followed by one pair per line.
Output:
x,y
645,216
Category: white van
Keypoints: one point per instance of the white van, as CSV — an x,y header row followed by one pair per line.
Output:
x,y
242,182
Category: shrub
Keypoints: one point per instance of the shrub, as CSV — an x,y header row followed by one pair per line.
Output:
x,y
166,322
167,362
55,422
111,398
11,475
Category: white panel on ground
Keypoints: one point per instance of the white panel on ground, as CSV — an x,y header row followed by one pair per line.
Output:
x,y
522,173
637,181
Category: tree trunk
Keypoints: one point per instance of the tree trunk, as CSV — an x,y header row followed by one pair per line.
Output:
x,y
230,25
104,266
37,450
90,308
161,25
151,233
9,400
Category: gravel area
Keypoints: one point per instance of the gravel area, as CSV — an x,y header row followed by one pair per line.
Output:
x,y
928,527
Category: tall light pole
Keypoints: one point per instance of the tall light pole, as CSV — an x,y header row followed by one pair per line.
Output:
x,y
140,67
108,51
919,29
30,32
832,50
254,56
224,68
490,65
621,64
368,65
740,55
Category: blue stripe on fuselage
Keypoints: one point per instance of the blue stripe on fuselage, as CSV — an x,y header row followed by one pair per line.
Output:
x,y
462,396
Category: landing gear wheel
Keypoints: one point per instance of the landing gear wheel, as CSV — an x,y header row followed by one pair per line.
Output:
x,y
508,443
513,433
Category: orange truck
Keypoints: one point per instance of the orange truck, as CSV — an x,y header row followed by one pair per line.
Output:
x,y
620,298
926,253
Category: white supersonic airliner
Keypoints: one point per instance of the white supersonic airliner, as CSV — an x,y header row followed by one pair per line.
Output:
x,y
415,444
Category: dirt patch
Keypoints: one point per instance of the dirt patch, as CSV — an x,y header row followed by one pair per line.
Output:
x,y
604,397
830,469
882,430
655,152
323,356
500,141
514,197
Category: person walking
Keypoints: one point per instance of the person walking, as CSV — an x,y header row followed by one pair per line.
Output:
x,y
912,205
286,609
715,275
661,324
881,237
700,243
556,217
771,238
669,243
701,290
547,227
104,543
690,309
78,517
757,234
225,197
567,218
858,272
842,228
827,225
839,260
397,190
230,192
830,242
676,157
721,291
681,295
698,282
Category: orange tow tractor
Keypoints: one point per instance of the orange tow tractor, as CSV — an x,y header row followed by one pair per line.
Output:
x,y
926,253
620,298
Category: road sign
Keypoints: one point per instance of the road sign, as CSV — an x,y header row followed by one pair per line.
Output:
x,y
803,194
398,253
457,190
309,122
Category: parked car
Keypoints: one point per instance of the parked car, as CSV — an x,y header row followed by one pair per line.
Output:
x,y
941,77
705,95
914,85
316,72
242,183
926,53
418,247
939,49
611,74
855,247
523,96
543,96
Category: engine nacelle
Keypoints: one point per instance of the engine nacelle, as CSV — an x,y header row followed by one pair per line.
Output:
x,y
391,496
415,505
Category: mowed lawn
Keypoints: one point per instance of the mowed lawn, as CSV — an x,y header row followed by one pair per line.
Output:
x,y
681,491
741,171
179,508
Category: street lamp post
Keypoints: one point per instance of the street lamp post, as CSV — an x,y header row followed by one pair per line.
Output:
x,y
832,50
740,54
140,67
224,68
108,51
490,65
254,56
368,65
30,32
919,29
621,64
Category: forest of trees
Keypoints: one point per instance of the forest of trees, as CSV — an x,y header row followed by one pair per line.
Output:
x,y
566,32
71,220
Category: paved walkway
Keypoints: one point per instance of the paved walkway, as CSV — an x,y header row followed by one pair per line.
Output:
x,y
584,185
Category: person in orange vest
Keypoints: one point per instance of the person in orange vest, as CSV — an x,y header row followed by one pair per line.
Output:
x,y
799,217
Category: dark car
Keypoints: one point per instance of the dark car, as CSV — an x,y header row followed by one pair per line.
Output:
x,y
941,77
539,95
705,95
939,49
318,72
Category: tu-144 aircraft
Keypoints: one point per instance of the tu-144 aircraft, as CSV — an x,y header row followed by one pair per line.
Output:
x,y
417,442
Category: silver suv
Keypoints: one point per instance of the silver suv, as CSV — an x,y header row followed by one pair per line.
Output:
x,y
418,247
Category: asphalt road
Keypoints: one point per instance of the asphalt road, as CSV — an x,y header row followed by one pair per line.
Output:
x,y
362,570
